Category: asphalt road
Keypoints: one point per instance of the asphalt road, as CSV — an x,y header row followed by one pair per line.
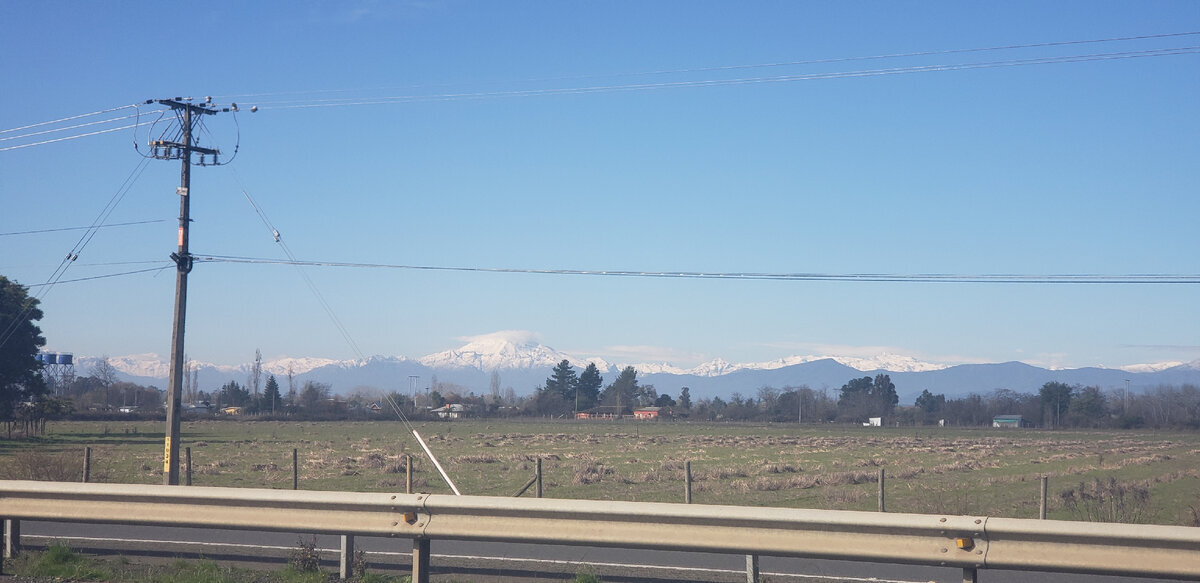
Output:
x,y
474,558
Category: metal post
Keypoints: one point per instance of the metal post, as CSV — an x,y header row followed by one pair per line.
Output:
x,y
687,482
408,474
87,464
346,557
539,477
295,469
12,537
1042,507
420,560
187,458
970,575
751,568
882,506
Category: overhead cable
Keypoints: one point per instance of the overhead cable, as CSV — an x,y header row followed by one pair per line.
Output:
x,y
84,228
18,147
1149,278
763,65
342,102
60,120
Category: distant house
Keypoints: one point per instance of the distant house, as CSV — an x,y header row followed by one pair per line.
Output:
x,y
451,411
874,422
232,410
375,407
600,412
128,409
1009,421
651,413
203,407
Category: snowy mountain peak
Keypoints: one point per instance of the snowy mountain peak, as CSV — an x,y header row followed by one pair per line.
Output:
x,y
507,349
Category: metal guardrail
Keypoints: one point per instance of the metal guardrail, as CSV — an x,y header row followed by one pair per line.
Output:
x,y
969,542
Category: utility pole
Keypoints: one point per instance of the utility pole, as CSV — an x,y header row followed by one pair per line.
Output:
x,y
189,115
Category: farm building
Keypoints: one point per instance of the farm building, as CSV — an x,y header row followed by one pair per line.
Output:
x,y
600,412
651,413
232,410
874,422
451,411
1009,421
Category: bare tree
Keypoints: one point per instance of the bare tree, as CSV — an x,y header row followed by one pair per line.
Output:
x,y
256,374
291,387
106,373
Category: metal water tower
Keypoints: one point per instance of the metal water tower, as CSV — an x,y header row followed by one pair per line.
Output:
x,y
58,368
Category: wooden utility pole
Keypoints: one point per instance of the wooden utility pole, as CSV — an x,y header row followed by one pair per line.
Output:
x,y
189,115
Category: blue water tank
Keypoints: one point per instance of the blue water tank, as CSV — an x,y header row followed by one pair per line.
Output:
x,y
64,359
49,358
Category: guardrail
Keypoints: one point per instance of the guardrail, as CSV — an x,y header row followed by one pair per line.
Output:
x,y
969,542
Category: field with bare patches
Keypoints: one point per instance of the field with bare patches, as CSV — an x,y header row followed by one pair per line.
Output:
x,y
1129,476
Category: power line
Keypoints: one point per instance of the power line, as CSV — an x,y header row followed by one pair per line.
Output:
x,y
757,65
73,254
105,276
18,147
1109,279
70,127
84,228
53,121
337,322
343,102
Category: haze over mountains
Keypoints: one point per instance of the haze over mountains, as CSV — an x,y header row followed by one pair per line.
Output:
x,y
524,364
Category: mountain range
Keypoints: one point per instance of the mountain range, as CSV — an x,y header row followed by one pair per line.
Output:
x,y
525,364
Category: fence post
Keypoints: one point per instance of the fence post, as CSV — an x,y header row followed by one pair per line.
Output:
x,y
539,477
12,538
187,460
408,474
295,469
346,557
751,568
1042,507
87,464
687,482
420,560
882,506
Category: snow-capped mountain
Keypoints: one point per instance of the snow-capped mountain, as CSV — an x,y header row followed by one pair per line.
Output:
x,y
524,363
501,350
505,351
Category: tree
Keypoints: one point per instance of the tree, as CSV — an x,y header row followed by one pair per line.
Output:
x,y
563,381
929,402
494,385
685,398
233,395
271,395
1056,398
623,392
256,374
106,373
1089,407
866,397
313,395
588,387
20,339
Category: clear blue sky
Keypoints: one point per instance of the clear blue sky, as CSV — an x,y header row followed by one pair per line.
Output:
x,y
1071,168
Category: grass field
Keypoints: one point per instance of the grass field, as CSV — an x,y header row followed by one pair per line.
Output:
x,y
1144,476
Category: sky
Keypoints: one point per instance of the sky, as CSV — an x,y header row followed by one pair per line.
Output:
x,y
714,137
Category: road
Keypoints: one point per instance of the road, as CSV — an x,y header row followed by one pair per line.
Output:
x,y
478,559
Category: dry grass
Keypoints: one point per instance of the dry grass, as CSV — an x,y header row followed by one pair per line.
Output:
x,y
928,470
